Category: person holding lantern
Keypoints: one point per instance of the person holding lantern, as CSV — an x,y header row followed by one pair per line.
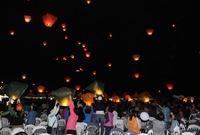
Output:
x,y
99,105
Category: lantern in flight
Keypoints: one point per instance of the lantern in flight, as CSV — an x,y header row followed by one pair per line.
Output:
x,y
170,86
49,19
40,89
136,57
137,75
68,79
27,18
23,76
149,31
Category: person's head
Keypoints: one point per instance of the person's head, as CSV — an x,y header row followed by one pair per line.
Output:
x,y
160,116
88,109
77,110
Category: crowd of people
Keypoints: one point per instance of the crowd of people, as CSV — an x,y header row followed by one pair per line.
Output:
x,y
166,114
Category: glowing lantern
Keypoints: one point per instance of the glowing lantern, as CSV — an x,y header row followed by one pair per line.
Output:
x,y
49,19
65,37
185,99
64,57
94,72
83,45
40,88
72,56
191,99
27,18
63,25
67,79
150,31
109,64
170,86
77,87
44,43
23,76
88,1
19,107
115,98
136,57
87,54
137,75
110,35
64,101
12,32
79,42
85,48
173,25
88,98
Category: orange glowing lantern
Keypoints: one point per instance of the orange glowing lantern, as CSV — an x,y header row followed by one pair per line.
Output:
x,y
77,87
109,64
173,25
64,57
44,43
170,86
49,19
63,25
40,89
88,1
27,18
23,76
87,54
88,98
149,31
68,79
72,56
85,48
137,75
79,42
185,99
110,35
83,45
136,57
65,37
12,32
115,98
19,107
94,72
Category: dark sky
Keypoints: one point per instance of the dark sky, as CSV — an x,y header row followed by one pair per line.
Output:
x,y
169,55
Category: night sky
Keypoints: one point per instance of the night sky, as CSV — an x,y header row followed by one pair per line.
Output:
x,y
170,54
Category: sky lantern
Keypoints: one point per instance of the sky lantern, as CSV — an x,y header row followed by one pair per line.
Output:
x,y
44,43
49,19
65,37
68,79
88,1
27,18
23,76
149,31
63,25
79,42
72,56
110,35
64,57
169,86
12,32
136,57
173,25
137,75
109,64
77,87
88,98
40,88
87,54
85,48
94,72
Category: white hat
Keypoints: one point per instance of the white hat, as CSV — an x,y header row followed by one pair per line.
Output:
x,y
144,116
99,98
